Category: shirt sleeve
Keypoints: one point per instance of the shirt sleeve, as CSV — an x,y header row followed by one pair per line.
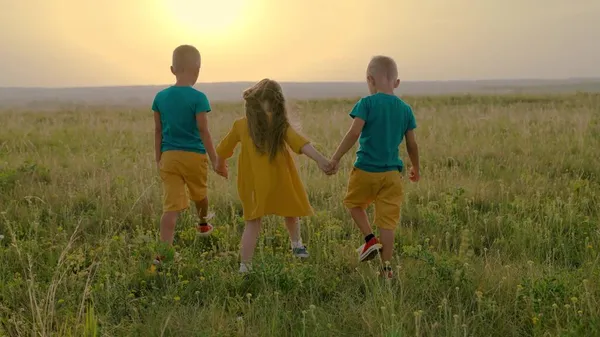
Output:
x,y
295,140
227,145
360,110
202,104
412,123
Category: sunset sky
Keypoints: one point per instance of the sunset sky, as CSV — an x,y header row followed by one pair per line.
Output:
x,y
55,43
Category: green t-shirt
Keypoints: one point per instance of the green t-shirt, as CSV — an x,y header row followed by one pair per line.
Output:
x,y
178,106
387,118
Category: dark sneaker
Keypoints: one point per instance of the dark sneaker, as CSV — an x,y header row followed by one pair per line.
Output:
x,y
300,252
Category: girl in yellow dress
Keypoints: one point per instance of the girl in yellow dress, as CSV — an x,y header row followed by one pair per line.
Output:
x,y
268,182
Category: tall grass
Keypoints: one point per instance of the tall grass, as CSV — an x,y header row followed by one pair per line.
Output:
x,y
500,238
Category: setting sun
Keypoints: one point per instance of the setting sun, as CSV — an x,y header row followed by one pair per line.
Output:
x,y
207,18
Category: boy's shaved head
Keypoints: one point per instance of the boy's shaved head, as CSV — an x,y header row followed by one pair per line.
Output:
x,y
383,67
185,57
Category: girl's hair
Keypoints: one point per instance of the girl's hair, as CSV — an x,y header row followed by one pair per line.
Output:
x,y
267,133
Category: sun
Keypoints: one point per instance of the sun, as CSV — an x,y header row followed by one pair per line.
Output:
x,y
213,19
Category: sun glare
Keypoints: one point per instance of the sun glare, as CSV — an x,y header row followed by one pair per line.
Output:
x,y
212,19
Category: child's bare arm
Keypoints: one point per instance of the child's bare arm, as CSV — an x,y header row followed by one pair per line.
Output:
x,y
202,121
157,137
349,140
413,152
312,153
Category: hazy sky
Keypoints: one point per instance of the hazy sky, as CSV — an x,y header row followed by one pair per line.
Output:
x,y
127,42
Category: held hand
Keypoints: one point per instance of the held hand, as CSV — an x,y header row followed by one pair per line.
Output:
x,y
220,167
334,166
414,175
325,167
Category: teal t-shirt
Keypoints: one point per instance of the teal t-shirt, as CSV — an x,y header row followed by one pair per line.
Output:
x,y
178,106
387,118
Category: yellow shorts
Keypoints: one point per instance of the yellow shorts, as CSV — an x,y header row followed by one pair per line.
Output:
x,y
384,189
179,169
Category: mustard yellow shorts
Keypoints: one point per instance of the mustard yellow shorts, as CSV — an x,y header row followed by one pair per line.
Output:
x,y
179,169
384,189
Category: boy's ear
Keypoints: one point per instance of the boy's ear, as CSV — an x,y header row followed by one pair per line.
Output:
x,y
397,83
370,80
172,70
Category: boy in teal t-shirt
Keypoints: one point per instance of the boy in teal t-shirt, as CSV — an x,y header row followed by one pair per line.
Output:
x,y
381,121
182,143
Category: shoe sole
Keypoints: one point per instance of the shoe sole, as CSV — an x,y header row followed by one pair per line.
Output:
x,y
302,256
370,253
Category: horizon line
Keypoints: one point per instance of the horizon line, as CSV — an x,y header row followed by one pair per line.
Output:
x,y
595,78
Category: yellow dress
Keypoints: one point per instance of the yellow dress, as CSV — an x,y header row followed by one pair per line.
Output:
x,y
267,187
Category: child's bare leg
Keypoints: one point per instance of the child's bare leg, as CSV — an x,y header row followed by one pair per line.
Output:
x,y
372,246
387,239
293,228
249,238
361,219
202,209
203,228
167,227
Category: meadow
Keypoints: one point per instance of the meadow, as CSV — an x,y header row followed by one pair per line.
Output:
x,y
499,238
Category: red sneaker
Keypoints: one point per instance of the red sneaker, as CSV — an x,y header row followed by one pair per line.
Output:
x,y
204,230
369,250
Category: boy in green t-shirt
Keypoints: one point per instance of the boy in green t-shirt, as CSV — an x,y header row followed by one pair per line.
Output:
x,y
381,121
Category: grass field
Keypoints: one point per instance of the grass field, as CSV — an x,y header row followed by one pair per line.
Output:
x,y
500,238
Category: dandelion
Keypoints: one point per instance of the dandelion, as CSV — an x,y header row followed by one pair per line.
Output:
x,y
61,301
312,307
530,263
197,293
554,306
202,278
535,320
574,300
249,295
1,237
177,298
519,287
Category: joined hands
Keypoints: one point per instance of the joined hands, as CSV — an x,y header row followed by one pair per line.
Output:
x,y
221,168
329,167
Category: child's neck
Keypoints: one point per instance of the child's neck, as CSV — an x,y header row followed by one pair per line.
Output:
x,y
179,83
184,81
387,91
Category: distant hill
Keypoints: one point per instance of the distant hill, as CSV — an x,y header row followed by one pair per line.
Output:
x,y
231,91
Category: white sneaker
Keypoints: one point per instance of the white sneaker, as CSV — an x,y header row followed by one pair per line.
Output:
x,y
245,268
